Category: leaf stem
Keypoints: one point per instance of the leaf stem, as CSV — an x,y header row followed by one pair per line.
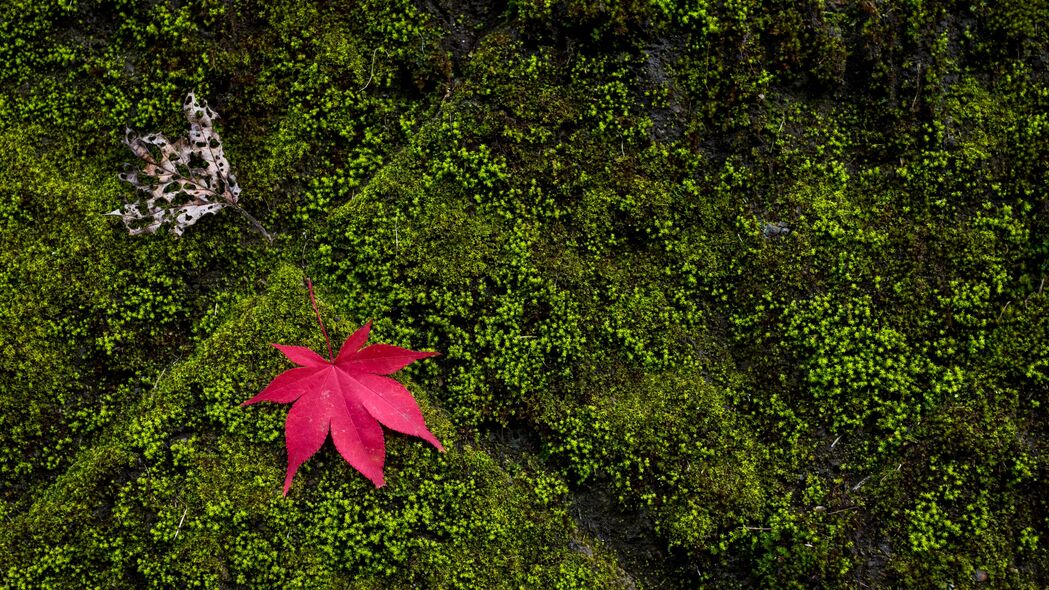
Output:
x,y
251,218
313,300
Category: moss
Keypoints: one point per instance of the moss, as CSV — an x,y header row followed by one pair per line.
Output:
x,y
203,510
728,294
672,444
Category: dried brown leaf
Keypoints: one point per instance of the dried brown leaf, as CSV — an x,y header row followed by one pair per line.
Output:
x,y
179,181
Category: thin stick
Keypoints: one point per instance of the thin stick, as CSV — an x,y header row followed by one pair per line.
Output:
x,y
918,91
859,485
372,74
251,218
180,521
313,300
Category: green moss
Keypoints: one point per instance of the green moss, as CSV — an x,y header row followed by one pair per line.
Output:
x,y
728,294
213,503
670,443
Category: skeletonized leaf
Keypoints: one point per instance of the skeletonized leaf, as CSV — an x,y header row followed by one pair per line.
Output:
x,y
178,181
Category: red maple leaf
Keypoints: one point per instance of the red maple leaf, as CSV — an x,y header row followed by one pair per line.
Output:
x,y
349,396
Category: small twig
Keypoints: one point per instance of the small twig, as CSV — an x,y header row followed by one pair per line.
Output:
x,y
313,300
372,73
157,382
757,528
254,222
181,520
302,255
1041,286
918,90
862,481
1001,313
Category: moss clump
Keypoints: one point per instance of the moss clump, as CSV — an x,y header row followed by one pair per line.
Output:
x,y
186,492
